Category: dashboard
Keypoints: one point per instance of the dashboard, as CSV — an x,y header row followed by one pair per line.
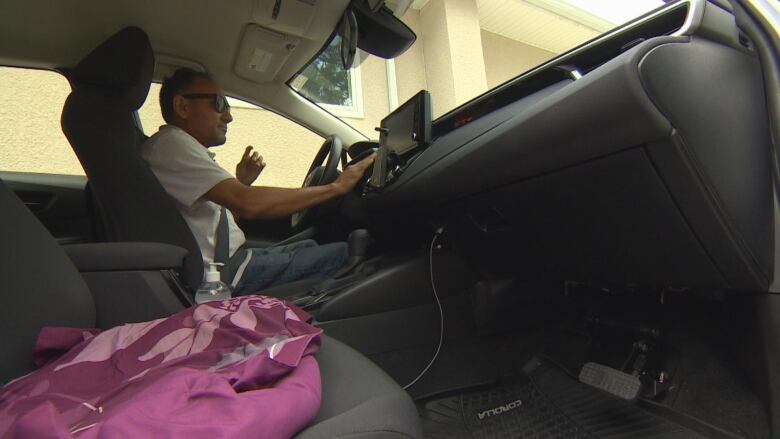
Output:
x,y
459,127
616,162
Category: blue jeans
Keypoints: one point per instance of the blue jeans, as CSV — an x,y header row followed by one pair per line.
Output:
x,y
287,263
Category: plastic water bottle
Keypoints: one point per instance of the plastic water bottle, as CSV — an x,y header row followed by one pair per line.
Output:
x,y
212,288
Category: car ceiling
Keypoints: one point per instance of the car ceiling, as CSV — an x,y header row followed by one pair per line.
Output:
x,y
55,34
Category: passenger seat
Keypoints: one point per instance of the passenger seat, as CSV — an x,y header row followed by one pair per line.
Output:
x,y
41,287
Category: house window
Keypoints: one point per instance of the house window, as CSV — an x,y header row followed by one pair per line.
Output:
x,y
326,82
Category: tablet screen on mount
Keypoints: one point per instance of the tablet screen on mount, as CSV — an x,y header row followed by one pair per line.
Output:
x,y
408,128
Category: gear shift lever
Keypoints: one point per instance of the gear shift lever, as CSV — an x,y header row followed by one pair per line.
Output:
x,y
357,246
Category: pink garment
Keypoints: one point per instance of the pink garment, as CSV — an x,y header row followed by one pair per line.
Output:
x,y
237,368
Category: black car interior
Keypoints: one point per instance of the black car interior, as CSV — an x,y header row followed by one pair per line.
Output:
x,y
677,192
611,210
642,160
109,85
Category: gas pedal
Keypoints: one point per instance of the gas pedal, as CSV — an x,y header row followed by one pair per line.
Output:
x,y
612,381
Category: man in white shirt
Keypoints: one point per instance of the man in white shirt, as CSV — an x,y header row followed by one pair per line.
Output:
x,y
197,116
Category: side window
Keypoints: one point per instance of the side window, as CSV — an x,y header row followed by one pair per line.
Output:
x,y
30,113
287,148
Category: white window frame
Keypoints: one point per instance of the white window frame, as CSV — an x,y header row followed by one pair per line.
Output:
x,y
354,111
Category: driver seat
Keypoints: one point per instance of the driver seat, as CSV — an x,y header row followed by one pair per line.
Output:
x,y
99,120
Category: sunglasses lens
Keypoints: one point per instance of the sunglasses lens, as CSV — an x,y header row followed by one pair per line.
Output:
x,y
221,104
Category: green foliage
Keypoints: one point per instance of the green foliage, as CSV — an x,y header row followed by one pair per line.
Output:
x,y
326,80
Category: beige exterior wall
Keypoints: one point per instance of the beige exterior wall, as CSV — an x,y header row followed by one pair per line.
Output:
x,y
286,147
506,58
33,140
436,54
31,104
452,51
410,67
468,62
410,79
373,75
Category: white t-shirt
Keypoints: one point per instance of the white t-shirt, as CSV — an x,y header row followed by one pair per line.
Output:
x,y
187,170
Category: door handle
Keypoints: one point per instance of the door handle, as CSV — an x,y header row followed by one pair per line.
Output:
x,y
36,201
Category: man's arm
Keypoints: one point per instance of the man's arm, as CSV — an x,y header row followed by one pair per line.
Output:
x,y
262,202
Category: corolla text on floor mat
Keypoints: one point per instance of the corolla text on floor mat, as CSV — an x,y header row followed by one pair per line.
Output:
x,y
500,409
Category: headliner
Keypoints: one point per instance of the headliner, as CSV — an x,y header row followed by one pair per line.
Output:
x,y
52,34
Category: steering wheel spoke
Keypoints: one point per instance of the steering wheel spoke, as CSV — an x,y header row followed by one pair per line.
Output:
x,y
321,172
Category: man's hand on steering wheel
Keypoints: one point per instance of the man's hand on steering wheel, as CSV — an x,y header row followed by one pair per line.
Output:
x,y
324,172
352,175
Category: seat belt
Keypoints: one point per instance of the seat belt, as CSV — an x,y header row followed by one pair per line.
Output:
x,y
222,246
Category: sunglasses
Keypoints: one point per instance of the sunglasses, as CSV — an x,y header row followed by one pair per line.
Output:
x,y
220,102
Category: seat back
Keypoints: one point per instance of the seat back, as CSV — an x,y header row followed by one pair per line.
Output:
x,y
98,118
40,286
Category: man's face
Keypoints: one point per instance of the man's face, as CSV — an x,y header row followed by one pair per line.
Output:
x,y
199,117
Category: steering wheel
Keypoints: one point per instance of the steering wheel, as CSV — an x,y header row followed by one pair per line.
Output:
x,y
321,172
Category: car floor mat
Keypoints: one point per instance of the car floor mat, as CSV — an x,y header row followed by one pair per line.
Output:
x,y
545,402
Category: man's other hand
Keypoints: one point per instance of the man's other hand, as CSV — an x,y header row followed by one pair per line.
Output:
x,y
352,175
250,166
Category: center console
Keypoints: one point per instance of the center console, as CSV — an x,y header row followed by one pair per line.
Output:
x,y
391,282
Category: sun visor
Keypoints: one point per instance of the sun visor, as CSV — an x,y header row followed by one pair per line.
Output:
x,y
263,53
292,17
381,33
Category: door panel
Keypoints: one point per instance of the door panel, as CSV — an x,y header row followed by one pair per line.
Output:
x,y
59,202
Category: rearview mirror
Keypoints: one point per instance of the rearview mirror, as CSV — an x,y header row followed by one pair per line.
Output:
x,y
372,27
381,33
348,31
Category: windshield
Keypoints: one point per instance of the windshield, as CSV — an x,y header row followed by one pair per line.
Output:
x,y
463,49
324,80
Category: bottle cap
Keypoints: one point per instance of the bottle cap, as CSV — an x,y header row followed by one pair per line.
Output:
x,y
213,275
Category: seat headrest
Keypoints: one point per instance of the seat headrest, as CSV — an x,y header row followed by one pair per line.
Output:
x,y
124,63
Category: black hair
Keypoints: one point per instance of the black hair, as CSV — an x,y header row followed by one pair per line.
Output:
x,y
174,85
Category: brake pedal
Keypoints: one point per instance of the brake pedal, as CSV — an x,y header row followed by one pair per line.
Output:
x,y
613,381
